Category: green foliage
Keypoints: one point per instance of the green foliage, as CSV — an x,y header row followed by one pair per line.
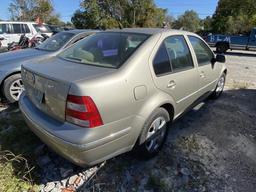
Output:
x,y
17,144
13,179
189,21
234,16
116,13
30,10
207,23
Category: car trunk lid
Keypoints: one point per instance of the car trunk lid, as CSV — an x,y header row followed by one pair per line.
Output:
x,y
47,83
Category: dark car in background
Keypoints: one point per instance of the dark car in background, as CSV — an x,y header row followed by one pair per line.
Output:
x,y
224,42
11,85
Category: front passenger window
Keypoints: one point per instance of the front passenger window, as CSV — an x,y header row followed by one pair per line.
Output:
x,y
203,53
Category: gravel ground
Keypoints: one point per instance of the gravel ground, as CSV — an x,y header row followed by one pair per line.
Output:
x,y
212,148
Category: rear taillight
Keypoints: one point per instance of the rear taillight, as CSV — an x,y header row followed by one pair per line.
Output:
x,y
82,111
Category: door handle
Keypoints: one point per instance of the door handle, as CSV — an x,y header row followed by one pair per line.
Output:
x,y
202,75
171,84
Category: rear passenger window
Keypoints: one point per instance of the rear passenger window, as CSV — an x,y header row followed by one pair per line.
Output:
x,y
179,53
203,53
17,28
3,28
25,28
161,62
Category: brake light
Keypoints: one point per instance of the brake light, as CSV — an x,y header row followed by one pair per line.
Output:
x,y
82,111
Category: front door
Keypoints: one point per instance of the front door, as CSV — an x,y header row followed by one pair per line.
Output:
x,y
208,72
175,72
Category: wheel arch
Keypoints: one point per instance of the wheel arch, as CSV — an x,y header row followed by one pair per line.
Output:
x,y
160,100
2,82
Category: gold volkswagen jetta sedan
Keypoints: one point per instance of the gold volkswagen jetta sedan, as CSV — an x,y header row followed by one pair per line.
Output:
x,y
118,90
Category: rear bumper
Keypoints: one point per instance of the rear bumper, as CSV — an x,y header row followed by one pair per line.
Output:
x,y
82,146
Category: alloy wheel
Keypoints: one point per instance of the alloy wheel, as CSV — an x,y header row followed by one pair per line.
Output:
x,y
156,133
16,89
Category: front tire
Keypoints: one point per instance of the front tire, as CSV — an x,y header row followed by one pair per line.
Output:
x,y
12,88
219,87
153,134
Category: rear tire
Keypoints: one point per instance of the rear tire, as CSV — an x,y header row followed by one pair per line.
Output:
x,y
221,48
219,87
153,134
13,88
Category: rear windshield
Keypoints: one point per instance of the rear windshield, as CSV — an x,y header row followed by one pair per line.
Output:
x,y
42,28
55,42
106,49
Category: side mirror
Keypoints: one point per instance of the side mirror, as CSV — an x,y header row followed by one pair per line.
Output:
x,y
219,58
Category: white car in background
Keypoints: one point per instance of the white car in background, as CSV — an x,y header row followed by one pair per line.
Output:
x,y
11,31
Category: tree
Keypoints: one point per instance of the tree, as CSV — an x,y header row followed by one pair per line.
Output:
x,y
234,16
29,10
170,20
22,9
118,13
207,23
189,21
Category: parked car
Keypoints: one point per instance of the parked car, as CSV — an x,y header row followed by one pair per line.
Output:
x,y
236,42
10,63
12,30
117,90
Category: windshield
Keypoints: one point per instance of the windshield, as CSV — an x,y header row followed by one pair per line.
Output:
x,y
106,49
55,42
42,28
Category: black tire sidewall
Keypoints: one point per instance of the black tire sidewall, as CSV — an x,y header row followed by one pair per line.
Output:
x,y
221,48
141,149
7,85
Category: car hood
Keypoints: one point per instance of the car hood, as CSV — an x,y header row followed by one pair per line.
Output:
x,y
20,55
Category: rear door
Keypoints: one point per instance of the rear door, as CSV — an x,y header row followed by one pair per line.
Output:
x,y
175,72
208,72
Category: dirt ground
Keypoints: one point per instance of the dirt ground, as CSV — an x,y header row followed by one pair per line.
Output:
x,y
212,148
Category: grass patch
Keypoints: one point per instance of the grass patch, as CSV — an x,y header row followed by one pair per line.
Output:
x,y
239,85
17,160
13,179
156,183
189,144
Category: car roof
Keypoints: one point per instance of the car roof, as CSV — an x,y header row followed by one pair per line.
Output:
x,y
18,22
150,31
